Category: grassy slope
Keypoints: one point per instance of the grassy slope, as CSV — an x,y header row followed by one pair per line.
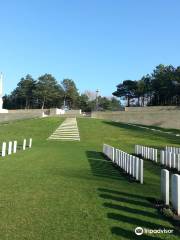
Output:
x,y
67,190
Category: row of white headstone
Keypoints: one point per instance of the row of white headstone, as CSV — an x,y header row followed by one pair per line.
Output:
x,y
11,147
170,159
175,189
172,149
130,164
147,152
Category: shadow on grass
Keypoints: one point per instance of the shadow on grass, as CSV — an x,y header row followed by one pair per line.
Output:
x,y
129,210
156,127
145,132
103,167
125,208
130,235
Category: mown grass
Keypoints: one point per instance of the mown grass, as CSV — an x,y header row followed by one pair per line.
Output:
x,y
68,190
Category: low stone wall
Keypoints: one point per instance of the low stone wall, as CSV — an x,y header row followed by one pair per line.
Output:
x,y
18,114
152,109
21,114
166,119
69,113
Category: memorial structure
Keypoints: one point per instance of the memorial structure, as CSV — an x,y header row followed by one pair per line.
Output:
x,y
1,95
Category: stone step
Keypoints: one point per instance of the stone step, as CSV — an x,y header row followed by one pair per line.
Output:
x,y
73,139
67,131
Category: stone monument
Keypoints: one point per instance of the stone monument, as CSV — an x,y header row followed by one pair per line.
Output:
x,y
1,95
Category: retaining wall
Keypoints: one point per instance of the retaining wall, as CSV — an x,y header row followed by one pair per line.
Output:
x,y
162,118
21,114
69,113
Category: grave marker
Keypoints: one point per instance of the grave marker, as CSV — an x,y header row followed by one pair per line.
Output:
x,y
10,148
175,193
24,144
14,146
165,186
3,149
30,143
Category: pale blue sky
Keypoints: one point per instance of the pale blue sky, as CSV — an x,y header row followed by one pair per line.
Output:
x,y
97,43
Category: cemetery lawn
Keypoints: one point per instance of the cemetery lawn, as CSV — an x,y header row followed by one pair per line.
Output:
x,y
68,191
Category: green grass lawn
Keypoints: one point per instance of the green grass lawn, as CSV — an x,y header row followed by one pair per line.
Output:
x,y
69,191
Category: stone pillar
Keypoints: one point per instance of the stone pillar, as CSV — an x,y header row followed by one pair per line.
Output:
x,y
165,186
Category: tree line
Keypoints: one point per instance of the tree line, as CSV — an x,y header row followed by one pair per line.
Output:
x,y
47,92
161,87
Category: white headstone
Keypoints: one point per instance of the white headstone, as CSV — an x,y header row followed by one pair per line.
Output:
x,y
175,193
113,153
127,166
162,157
156,155
178,163
24,144
165,186
130,165
134,167
10,148
169,159
141,171
125,162
3,149
137,169
14,146
174,160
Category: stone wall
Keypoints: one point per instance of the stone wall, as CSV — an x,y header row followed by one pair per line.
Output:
x,y
165,118
21,114
69,113
152,109
18,114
